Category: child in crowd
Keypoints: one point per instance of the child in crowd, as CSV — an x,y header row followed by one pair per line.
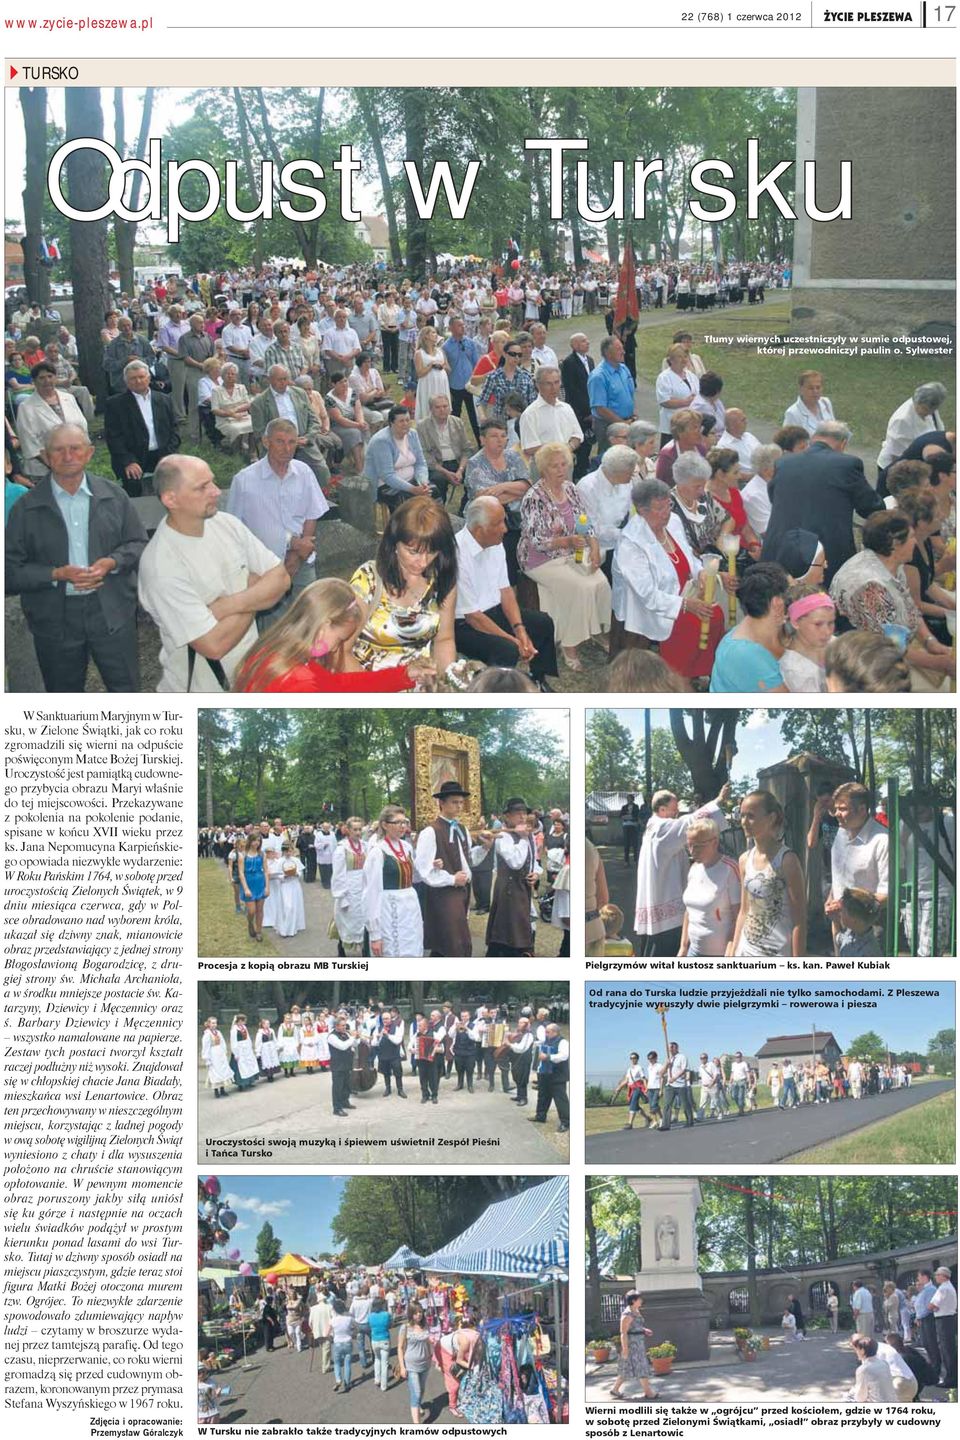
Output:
x,y
290,915
789,1326
859,914
614,944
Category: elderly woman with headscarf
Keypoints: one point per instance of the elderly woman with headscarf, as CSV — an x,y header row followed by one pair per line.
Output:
x,y
604,496
560,552
871,591
657,588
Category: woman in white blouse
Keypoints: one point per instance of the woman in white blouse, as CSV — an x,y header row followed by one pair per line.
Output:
x,y
677,388
604,495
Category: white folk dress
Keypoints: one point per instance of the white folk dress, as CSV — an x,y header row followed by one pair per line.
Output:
x,y
393,910
214,1054
288,1041
289,911
309,1048
241,1047
266,1051
347,886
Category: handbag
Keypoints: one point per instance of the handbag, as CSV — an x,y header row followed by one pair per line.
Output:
x,y
514,1410
479,1398
536,1409
546,907
541,1342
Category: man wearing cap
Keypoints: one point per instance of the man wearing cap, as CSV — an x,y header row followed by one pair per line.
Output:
x,y
510,930
443,858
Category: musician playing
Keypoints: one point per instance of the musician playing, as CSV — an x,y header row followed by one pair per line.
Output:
x,y
466,1049
429,1043
634,1081
553,1072
522,1047
390,1052
510,930
342,1047
444,856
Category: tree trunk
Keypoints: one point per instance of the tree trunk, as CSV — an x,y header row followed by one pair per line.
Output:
x,y
594,1304
415,134
36,277
366,99
706,756
304,231
246,129
89,264
750,1226
208,778
613,240
125,231
344,737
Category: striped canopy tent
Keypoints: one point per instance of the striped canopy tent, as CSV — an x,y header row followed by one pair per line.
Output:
x,y
527,1235
403,1258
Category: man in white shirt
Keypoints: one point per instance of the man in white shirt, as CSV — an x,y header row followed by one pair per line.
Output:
x,y
553,1072
677,1088
859,856
522,1049
542,354
709,1088
259,345
203,578
811,407
489,624
861,1303
662,870
320,1321
325,844
943,1303
739,1076
341,345
279,499
442,863
737,437
549,417
237,337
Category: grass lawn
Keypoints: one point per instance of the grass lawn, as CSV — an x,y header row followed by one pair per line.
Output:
x,y
221,931
924,1135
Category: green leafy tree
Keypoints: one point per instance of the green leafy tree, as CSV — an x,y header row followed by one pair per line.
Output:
x,y
942,1051
868,1046
268,1247
613,762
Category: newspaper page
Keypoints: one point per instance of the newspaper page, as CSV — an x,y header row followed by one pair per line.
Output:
x,y
502,1039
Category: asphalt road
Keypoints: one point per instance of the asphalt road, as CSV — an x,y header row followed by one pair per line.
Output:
x,y
765,1135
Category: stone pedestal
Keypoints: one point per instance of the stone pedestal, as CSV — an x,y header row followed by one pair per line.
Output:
x,y
675,1307
355,501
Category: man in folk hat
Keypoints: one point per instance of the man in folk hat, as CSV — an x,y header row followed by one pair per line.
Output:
x,y
510,924
443,859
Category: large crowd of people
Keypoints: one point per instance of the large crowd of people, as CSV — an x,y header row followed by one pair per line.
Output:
x,y
480,1048
527,510
659,1090
693,898
374,1328
400,893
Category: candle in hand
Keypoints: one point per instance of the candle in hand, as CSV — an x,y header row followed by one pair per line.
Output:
x,y
711,567
730,545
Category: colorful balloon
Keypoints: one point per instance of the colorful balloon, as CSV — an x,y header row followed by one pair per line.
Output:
x,y
246,1268
212,1185
227,1219
271,1279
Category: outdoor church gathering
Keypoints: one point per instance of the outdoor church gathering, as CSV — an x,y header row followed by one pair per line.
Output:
x,y
806,1073
492,1055
770,833
739,1288
535,447
389,833
465,1321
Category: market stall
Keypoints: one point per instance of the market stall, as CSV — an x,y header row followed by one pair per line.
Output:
x,y
403,1258
522,1239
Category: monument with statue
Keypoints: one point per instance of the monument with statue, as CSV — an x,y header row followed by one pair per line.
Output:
x,y
674,1304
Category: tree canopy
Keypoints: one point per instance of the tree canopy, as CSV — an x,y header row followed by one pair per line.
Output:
x,y
378,1213
301,764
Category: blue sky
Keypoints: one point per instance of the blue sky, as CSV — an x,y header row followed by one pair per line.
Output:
x,y
299,1207
903,1023
758,738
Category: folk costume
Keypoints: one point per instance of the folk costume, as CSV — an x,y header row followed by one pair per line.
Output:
x,y
390,1054
347,887
510,924
443,850
288,1044
241,1048
392,907
214,1054
266,1051
289,912
342,1047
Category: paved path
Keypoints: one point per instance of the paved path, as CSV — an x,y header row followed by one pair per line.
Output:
x,y
300,1109
280,1388
318,912
764,1136
819,1368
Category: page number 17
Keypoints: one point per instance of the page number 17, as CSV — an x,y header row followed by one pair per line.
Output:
x,y
943,14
